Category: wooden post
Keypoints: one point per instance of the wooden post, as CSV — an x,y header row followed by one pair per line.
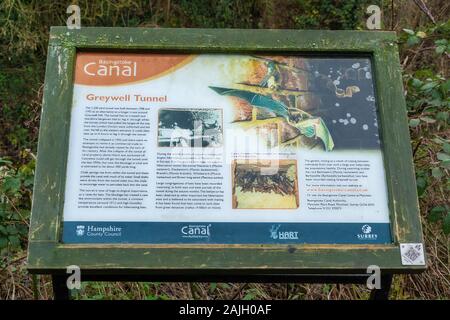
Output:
x,y
383,292
60,290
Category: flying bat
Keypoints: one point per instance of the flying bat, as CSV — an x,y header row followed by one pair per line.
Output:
x,y
258,100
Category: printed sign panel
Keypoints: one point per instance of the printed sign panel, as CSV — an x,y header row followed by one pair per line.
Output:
x,y
224,148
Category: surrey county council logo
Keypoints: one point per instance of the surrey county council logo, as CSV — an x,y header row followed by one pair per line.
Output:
x,y
366,229
367,233
275,234
80,231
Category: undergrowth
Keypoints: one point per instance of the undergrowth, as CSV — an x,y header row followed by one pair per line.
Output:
x,y
424,47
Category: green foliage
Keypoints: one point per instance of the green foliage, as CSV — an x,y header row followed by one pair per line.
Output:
x,y
331,14
15,201
414,37
441,214
218,14
24,27
442,46
19,106
428,103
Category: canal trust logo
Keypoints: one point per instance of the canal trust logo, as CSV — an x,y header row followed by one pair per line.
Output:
x,y
275,234
367,233
196,231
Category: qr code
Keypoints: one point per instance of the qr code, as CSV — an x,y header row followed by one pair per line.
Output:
x,y
412,254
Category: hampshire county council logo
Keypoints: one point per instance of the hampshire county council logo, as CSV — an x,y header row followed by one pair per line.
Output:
x,y
96,231
80,231
367,233
282,235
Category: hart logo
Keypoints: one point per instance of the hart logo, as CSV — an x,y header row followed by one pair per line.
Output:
x,y
80,231
366,233
196,231
111,68
282,235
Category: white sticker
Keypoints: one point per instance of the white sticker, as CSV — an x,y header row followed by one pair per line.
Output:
x,y
412,254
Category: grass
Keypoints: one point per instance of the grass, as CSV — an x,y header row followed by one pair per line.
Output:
x,y
24,28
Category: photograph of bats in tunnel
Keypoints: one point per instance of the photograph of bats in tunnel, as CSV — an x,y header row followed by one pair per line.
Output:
x,y
265,184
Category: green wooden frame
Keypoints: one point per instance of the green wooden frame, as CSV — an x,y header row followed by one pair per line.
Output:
x,y
48,255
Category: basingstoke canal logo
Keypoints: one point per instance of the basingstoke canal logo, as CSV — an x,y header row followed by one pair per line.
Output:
x,y
196,231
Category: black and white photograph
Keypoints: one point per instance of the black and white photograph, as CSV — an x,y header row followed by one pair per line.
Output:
x,y
195,128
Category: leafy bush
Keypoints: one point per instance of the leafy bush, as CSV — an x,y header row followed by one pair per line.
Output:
x,y
15,202
424,49
428,104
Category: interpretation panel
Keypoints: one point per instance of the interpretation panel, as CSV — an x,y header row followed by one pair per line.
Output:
x,y
224,148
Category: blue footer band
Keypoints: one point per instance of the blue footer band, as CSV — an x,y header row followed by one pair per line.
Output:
x,y
225,232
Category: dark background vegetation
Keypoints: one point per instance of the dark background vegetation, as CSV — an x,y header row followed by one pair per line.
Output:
x,y
423,29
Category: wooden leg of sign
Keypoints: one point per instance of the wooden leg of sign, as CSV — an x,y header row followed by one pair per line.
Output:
x,y
383,292
60,290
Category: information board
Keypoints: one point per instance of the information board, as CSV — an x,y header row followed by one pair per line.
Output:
x,y
224,148
244,153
